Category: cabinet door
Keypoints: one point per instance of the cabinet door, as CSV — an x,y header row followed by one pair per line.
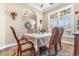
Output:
x,y
76,45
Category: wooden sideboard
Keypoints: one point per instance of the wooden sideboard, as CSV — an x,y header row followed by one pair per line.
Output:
x,y
76,44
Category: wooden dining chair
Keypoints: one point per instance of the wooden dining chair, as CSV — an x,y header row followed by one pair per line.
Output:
x,y
60,37
23,44
61,31
53,41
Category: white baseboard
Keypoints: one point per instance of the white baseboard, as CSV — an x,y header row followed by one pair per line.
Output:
x,y
6,46
67,42
9,45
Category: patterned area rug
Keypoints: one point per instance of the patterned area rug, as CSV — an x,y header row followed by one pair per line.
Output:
x,y
67,50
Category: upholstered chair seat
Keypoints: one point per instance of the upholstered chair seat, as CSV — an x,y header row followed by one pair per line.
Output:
x,y
26,46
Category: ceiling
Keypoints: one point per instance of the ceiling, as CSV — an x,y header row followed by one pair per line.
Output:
x,y
46,6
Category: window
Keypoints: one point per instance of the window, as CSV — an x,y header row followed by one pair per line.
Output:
x,y
78,23
62,18
66,20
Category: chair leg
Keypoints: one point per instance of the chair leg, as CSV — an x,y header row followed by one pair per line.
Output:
x,y
55,47
20,53
60,44
17,51
42,50
49,51
34,52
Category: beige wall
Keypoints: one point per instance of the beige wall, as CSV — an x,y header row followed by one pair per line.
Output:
x,y
18,23
7,37
2,25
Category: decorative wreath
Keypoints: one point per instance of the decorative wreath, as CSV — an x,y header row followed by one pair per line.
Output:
x,y
28,25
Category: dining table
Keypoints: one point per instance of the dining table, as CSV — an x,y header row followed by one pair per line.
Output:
x,y
39,39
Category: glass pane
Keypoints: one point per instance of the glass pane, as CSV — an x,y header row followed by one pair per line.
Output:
x,y
62,22
68,11
62,13
68,22
77,27
78,22
65,12
67,32
55,22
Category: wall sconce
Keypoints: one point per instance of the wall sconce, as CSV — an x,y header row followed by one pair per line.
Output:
x,y
13,14
76,12
40,21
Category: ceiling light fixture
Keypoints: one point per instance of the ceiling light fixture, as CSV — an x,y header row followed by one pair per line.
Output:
x,y
42,5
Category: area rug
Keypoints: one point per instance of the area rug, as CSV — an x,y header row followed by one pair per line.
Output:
x,y
67,50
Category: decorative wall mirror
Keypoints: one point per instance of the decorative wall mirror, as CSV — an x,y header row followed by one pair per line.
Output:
x,y
29,16
30,25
